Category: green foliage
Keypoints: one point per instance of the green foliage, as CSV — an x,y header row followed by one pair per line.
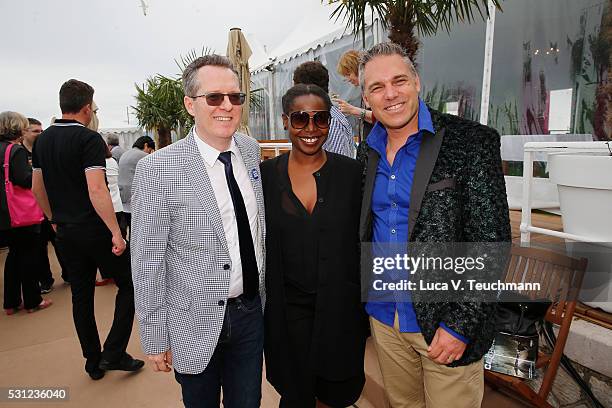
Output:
x,y
159,103
427,16
505,118
191,56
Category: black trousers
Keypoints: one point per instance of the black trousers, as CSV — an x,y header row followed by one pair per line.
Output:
x,y
125,224
84,248
21,268
46,234
104,272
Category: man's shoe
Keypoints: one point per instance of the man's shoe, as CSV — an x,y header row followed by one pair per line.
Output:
x,y
46,289
127,363
92,368
96,373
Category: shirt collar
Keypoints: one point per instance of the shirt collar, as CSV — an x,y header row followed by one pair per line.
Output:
x,y
377,139
66,122
209,153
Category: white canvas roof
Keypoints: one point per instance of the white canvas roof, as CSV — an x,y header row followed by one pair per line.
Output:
x,y
314,30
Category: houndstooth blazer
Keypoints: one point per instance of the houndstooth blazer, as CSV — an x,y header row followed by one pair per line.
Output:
x,y
180,259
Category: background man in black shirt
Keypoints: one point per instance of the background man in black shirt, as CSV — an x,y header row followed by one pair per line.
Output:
x,y
69,183
46,232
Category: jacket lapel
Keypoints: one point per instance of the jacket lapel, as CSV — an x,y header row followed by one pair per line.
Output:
x,y
428,154
365,222
195,169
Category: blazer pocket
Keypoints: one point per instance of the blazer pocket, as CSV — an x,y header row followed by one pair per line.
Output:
x,y
442,184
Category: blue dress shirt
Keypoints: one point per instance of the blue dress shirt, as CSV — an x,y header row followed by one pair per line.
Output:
x,y
390,205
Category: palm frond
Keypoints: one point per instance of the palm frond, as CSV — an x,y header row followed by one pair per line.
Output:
x,y
191,56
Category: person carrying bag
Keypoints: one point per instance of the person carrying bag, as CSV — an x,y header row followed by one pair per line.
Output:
x,y
20,219
22,207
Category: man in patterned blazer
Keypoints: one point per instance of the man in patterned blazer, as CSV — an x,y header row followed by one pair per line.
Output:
x,y
198,247
437,178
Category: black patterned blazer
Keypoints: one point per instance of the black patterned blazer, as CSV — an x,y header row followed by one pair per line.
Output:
x,y
458,195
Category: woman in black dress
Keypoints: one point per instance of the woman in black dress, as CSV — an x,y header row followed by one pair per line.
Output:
x,y
314,320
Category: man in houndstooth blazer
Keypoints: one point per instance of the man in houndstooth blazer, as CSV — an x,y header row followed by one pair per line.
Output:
x,y
190,290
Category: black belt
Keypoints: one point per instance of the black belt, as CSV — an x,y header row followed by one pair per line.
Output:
x,y
235,299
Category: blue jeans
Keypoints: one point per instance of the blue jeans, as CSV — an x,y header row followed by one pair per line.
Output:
x,y
236,363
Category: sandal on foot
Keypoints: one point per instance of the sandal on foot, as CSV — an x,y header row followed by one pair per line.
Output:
x,y
13,310
43,305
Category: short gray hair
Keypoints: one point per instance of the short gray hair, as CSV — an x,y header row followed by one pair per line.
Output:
x,y
385,48
112,140
190,78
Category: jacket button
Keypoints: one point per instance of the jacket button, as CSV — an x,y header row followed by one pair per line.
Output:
x,y
226,267
321,199
221,302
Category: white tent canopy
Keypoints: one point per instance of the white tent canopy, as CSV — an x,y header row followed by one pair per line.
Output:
x,y
315,30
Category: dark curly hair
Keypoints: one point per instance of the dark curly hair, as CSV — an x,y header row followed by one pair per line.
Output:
x,y
301,90
312,72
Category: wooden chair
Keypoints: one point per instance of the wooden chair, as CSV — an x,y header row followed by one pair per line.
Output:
x,y
560,277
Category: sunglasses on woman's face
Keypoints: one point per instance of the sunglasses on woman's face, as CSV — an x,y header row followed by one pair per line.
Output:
x,y
216,98
300,119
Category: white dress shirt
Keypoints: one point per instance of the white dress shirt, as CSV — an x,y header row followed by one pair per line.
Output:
x,y
216,174
112,178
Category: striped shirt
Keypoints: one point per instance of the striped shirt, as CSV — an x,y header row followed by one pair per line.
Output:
x,y
340,138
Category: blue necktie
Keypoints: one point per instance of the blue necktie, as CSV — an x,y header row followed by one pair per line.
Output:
x,y
250,275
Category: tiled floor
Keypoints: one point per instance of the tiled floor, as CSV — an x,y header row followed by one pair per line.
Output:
x,y
41,349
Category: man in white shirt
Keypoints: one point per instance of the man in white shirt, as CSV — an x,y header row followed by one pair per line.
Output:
x,y
198,247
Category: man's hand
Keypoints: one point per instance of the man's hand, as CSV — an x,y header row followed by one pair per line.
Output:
x,y
162,361
119,244
444,348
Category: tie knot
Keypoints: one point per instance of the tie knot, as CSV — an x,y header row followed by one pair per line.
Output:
x,y
225,158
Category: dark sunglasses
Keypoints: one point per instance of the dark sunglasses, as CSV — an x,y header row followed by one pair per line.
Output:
x,y
216,98
300,119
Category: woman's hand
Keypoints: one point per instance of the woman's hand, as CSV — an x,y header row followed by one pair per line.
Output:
x,y
346,107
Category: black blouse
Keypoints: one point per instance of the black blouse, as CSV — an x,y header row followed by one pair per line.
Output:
x,y
313,259
299,231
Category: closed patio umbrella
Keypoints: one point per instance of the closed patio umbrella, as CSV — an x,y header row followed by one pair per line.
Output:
x,y
239,52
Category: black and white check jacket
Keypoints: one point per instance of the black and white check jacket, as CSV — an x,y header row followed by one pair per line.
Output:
x,y
180,259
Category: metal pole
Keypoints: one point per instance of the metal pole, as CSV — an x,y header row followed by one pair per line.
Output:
x,y
488,63
271,99
526,205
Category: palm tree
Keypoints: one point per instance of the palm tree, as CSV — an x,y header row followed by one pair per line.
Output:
x,y
159,106
402,17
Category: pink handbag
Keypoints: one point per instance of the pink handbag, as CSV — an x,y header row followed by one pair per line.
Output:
x,y
22,206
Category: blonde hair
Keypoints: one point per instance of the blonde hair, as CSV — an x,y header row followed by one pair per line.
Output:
x,y
12,124
349,63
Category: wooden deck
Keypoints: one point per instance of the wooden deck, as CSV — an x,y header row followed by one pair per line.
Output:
x,y
41,349
539,219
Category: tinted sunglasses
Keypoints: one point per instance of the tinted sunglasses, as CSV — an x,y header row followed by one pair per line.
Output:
x,y
216,98
300,119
